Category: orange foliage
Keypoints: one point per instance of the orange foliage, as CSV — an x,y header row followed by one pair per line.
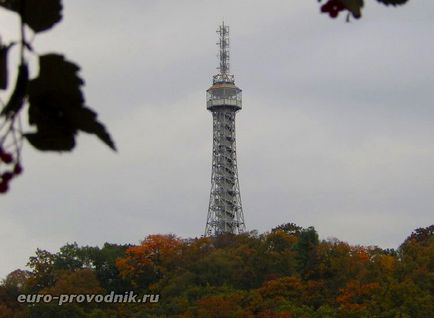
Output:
x,y
361,253
287,286
354,294
153,251
155,246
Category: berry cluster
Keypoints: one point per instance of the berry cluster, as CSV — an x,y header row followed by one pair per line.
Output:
x,y
332,7
11,143
6,176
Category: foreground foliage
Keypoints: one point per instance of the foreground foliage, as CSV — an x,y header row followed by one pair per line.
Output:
x,y
55,103
287,272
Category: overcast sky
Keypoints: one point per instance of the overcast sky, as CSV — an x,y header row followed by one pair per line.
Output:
x,y
336,129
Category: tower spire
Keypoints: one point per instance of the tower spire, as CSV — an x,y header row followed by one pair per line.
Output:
x,y
224,56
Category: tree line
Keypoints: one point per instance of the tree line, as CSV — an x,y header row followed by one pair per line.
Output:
x,y
286,272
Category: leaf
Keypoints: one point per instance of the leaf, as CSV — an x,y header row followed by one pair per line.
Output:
x,y
354,6
4,67
4,75
85,120
392,2
40,15
16,100
57,107
51,141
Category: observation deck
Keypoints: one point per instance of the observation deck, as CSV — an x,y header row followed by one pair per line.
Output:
x,y
223,95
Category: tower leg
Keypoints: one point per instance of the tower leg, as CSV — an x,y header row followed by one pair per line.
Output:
x,y
225,213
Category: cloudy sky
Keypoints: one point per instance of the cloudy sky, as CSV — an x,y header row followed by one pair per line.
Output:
x,y
336,130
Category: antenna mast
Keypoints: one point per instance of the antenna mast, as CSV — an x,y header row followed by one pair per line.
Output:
x,y
224,55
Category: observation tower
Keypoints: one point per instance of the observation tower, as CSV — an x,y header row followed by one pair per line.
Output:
x,y
223,100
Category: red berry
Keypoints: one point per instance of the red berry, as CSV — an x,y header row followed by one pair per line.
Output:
x,y
6,176
6,157
4,187
333,7
333,14
18,169
325,8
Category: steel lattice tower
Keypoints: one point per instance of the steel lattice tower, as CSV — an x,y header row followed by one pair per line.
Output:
x,y
225,212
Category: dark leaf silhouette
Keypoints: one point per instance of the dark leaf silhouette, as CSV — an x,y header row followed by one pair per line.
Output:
x,y
392,2
4,66
40,15
16,100
334,7
85,120
52,141
57,107
354,6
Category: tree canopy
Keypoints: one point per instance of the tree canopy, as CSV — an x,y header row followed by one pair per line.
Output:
x,y
287,272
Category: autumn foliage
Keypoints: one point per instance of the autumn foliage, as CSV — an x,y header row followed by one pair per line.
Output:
x,y
287,272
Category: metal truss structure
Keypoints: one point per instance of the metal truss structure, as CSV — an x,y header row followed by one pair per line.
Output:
x,y
224,100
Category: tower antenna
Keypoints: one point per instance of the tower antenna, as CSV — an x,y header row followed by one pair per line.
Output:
x,y
224,55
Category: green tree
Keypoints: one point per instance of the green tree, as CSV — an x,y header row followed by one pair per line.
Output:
x,y
307,252
43,273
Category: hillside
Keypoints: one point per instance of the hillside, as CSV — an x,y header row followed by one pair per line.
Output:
x,y
287,272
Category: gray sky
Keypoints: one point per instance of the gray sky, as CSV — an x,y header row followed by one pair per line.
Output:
x,y
336,130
